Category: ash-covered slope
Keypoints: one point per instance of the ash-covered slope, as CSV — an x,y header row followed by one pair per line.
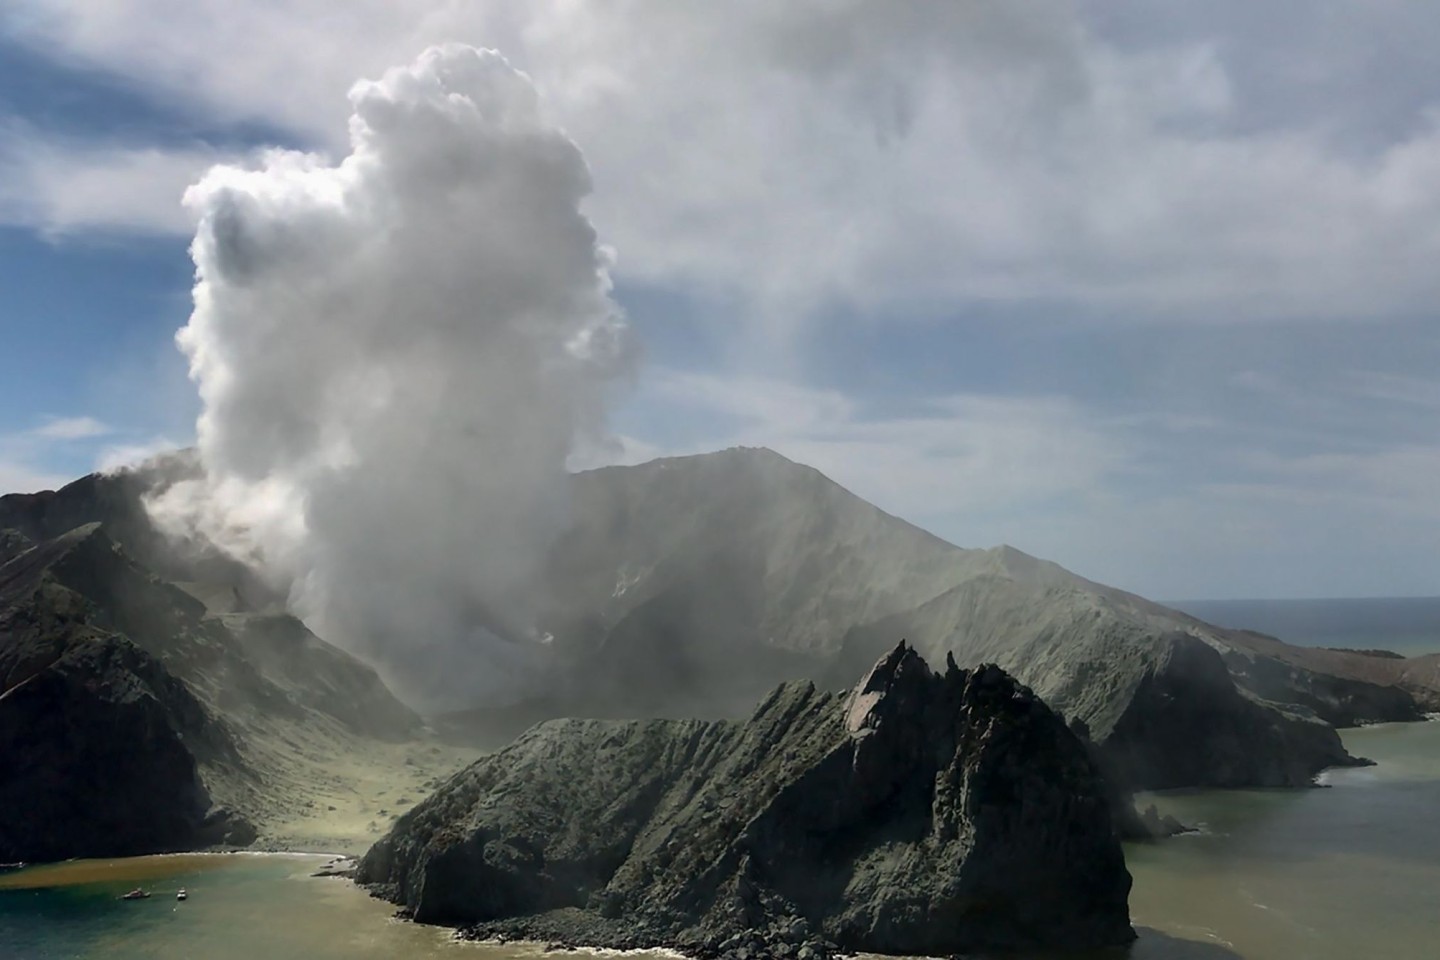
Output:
x,y
688,585
800,558
1342,686
920,813
208,617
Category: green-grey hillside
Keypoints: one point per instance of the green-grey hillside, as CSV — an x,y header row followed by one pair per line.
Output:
x,y
689,585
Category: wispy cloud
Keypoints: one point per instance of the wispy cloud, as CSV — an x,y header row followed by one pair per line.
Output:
x,y
43,457
948,455
61,187
70,428
24,478
1396,388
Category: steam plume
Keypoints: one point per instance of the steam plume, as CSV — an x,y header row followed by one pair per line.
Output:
x,y
395,355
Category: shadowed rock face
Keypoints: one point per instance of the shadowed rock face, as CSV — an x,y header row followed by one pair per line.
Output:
x,y
98,742
919,813
1245,742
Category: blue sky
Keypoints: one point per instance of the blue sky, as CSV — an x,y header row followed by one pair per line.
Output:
x,y
1152,295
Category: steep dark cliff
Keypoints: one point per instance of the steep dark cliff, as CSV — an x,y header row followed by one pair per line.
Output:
x,y
100,746
919,813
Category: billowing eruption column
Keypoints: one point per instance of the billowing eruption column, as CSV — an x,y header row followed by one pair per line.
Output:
x,y
395,355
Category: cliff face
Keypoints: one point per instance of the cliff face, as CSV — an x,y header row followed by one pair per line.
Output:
x,y
919,813
1187,724
99,744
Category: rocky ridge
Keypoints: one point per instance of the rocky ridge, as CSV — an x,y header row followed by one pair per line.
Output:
x,y
918,813
690,585
1159,701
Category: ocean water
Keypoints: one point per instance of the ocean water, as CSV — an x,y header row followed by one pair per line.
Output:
x,y
1344,872
1406,625
1348,871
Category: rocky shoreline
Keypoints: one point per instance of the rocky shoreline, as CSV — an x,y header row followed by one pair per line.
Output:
x,y
574,930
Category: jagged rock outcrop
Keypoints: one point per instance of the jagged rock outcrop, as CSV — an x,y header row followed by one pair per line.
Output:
x,y
918,813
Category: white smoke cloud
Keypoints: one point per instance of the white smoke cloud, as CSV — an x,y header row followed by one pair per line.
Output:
x,y
396,354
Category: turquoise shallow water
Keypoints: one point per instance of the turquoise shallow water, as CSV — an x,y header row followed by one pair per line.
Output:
x,y
239,906
1351,871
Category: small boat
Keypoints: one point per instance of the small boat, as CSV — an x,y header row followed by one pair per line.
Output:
x,y
181,895
136,894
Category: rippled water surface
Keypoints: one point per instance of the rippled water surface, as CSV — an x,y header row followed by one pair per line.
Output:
x,y
1347,872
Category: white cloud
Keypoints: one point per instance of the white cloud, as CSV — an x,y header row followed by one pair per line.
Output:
x,y
61,188
70,428
27,456
21,477
863,152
